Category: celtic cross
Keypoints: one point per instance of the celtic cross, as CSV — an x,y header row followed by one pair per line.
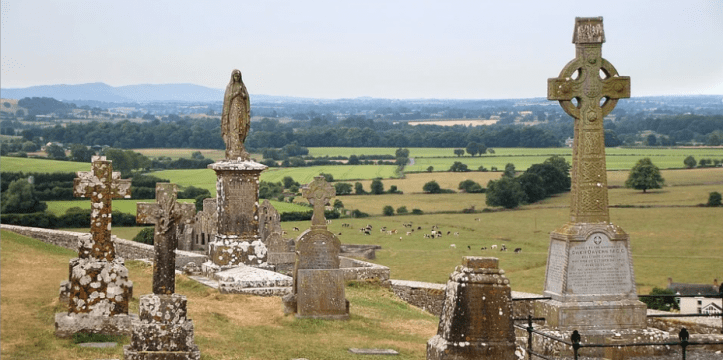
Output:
x,y
101,185
588,88
166,213
318,192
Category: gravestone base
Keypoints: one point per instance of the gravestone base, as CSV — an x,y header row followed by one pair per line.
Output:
x,y
440,349
162,331
234,250
551,348
320,295
254,281
67,324
592,316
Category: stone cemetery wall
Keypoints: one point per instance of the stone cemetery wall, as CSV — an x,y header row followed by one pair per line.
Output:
x,y
128,250
361,270
360,251
427,296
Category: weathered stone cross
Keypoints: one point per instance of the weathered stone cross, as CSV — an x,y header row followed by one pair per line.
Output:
x,y
582,86
101,185
318,192
166,213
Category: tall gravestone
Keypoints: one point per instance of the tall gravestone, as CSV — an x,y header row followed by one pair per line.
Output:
x,y
318,289
589,272
476,319
98,290
163,330
237,240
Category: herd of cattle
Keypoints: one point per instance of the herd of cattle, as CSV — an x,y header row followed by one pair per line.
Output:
x,y
409,229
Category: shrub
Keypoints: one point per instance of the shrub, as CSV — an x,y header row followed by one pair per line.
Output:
x,y
690,162
402,210
458,167
665,303
145,236
505,192
388,210
431,187
417,212
358,214
377,187
714,199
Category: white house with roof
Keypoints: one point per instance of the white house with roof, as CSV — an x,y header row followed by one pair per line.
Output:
x,y
698,304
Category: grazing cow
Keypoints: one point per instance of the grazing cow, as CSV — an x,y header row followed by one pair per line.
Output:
x,y
409,233
503,248
339,233
400,238
328,221
449,232
468,247
456,233
518,250
345,225
419,228
477,219
493,247
367,232
452,246
295,228
483,248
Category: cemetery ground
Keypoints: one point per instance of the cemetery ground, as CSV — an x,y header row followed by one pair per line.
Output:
x,y
226,326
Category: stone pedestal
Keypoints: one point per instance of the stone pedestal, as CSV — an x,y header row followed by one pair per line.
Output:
x,y
591,281
97,295
476,320
321,294
163,331
237,240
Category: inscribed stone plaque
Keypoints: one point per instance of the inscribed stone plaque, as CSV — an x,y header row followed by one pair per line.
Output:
x,y
555,266
321,293
318,249
599,266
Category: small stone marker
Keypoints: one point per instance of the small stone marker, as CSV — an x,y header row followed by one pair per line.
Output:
x,y
318,290
373,351
166,214
476,320
98,289
163,330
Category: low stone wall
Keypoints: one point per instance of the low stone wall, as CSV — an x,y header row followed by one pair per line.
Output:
x,y
128,250
427,296
361,270
360,251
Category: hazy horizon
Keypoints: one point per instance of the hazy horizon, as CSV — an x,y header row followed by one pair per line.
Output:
x,y
332,50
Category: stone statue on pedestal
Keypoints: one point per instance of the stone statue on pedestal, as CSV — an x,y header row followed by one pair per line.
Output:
x,y
236,117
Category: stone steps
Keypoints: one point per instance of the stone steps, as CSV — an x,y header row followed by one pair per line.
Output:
x,y
231,288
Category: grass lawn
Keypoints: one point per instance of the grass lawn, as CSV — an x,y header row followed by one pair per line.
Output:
x,y
14,164
226,326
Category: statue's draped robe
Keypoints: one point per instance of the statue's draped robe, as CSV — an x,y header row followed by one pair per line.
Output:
x,y
236,119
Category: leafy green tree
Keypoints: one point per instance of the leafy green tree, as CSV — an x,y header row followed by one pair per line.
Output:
x,y
327,177
359,188
338,204
458,152
430,168
705,163
713,140
533,187
377,187
559,163
402,210
126,161
644,175
192,192
432,187
472,148
509,170
482,168
553,179
458,167
505,192
199,202
665,303
197,155
651,140
55,152
714,199
20,197
145,236
288,182
342,188
81,153
401,153
270,190
690,162
29,146
470,186
388,210
353,160
611,138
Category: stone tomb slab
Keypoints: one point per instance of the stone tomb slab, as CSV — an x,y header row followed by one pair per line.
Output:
x,y
321,294
251,280
373,351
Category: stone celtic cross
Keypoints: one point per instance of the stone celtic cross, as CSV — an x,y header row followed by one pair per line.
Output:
x,y
588,88
318,192
166,214
101,185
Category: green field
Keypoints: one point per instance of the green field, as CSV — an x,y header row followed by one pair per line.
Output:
x,y
13,164
129,205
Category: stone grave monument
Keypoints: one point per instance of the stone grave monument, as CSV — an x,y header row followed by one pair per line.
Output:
x,y
280,250
237,240
163,330
476,319
589,266
98,289
318,289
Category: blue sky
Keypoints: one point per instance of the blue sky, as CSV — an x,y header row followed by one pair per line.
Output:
x,y
334,49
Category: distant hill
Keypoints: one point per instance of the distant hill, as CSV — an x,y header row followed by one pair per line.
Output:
x,y
144,93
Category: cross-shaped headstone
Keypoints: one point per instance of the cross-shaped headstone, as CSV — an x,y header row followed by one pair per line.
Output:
x,y
318,192
588,88
100,185
166,214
